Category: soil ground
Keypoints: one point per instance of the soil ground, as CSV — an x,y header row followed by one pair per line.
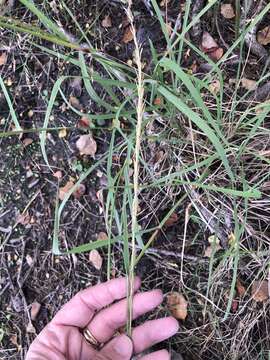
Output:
x,y
28,189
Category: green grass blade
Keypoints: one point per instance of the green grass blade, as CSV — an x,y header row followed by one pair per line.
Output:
x,y
194,93
87,83
51,102
48,23
11,109
198,121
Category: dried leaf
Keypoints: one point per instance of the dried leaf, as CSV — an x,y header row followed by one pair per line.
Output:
x,y
259,291
211,250
35,307
158,101
240,288
30,328
80,191
3,59
30,113
177,305
214,87
84,122
210,47
216,54
263,36
227,11
74,102
102,236
106,22
172,220
65,189
95,259
14,340
231,239
164,3
62,133
27,141
234,306
208,42
248,84
128,35
86,145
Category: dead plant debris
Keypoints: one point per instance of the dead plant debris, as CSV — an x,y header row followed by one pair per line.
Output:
x,y
86,145
177,305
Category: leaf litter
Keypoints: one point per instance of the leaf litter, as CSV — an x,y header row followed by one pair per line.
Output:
x,y
86,145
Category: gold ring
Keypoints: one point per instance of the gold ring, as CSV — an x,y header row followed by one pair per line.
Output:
x,y
89,337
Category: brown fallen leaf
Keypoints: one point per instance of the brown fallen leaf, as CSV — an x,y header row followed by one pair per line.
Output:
x,y
240,288
74,102
3,59
84,122
227,11
259,291
158,101
27,141
216,54
172,220
35,307
107,22
208,42
128,35
65,189
95,259
234,306
80,191
177,305
263,36
86,145
248,84
210,47
14,340
102,236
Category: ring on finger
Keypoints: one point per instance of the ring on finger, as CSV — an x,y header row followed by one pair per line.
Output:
x,y
90,338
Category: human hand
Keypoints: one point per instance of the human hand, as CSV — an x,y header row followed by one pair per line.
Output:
x,y
62,338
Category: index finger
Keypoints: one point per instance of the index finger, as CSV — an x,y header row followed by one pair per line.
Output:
x,y
82,307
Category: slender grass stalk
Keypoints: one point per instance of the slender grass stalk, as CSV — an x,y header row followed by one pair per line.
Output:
x,y
136,165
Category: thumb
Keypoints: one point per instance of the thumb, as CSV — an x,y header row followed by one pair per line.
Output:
x,y
120,347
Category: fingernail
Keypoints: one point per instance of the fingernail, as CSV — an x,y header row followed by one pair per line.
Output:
x,y
123,345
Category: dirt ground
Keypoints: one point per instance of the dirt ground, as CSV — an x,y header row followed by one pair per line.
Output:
x,y
29,272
